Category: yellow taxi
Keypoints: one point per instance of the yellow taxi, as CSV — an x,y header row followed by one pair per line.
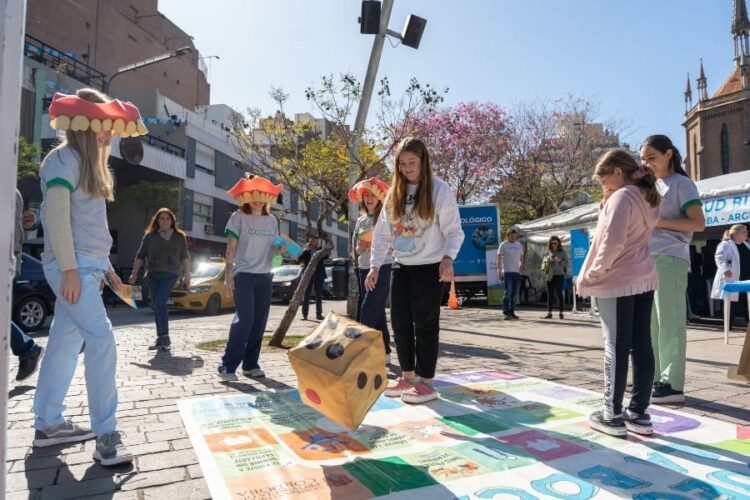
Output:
x,y
206,293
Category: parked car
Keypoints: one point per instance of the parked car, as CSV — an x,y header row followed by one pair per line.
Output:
x,y
33,299
206,292
286,278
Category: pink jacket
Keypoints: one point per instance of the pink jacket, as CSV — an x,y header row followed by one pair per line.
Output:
x,y
619,261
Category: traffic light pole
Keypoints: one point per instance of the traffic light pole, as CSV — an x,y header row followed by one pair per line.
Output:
x,y
359,126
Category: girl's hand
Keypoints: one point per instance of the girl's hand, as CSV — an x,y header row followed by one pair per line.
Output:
x,y
133,278
229,285
114,281
446,270
371,280
70,287
186,281
727,274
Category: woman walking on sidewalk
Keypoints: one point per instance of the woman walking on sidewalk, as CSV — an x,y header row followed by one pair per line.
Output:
x,y
422,225
370,193
555,266
250,232
680,215
164,250
76,186
620,273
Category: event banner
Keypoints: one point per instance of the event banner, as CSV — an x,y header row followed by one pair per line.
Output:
x,y
727,210
492,434
481,226
579,247
495,287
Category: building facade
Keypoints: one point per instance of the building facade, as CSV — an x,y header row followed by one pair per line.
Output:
x,y
717,126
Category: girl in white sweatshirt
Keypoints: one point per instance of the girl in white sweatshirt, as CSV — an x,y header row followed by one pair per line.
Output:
x,y
421,223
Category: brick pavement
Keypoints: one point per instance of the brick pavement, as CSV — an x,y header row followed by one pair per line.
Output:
x,y
568,352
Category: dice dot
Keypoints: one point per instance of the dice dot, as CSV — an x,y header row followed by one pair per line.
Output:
x,y
352,333
362,380
314,343
312,396
378,382
335,351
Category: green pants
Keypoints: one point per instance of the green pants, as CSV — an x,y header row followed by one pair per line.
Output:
x,y
668,321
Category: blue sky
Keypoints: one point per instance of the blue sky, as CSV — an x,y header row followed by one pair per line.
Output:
x,y
630,56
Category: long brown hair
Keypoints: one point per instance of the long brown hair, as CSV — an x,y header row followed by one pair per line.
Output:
x,y
96,179
662,143
153,226
640,175
557,239
247,209
395,202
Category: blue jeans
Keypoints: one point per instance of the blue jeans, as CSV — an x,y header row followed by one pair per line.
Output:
x,y
252,296
512,286
373,303
161,285
21,345
318,284
72,324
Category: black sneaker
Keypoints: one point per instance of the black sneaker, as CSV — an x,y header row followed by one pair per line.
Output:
x,y
513,316
162,343
638,423
614,426
319,317
663,393
111,451
28,366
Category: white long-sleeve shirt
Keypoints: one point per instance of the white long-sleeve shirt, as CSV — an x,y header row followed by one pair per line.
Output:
x,y
417,242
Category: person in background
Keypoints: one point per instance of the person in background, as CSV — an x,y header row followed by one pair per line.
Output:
x,y
251,233
164,250
312,247
370,193
620,272
729,264
680,215
509,269
555,265
21,345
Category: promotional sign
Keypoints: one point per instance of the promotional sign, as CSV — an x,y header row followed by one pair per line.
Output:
x,y
481,226
727,210
495,287
492,434
579,247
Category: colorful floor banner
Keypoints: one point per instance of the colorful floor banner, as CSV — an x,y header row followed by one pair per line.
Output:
x,y
491,434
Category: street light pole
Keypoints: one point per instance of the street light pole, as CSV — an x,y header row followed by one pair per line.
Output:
x,y
359,125
147,62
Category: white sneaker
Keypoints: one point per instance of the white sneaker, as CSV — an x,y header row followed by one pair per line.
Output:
x,y
224,375
255,373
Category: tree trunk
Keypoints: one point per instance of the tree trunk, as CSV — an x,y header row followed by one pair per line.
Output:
x,y
352,299
299,294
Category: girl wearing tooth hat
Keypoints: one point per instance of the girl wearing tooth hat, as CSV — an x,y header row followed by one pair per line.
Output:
x,y
371,308
76,186
251,233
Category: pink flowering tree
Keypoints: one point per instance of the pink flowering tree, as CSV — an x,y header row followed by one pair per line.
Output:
x,y
468,145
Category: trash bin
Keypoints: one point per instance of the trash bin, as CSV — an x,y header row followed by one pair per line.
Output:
x,y
339,277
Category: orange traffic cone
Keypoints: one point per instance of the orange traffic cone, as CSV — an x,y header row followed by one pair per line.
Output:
x,y
452,299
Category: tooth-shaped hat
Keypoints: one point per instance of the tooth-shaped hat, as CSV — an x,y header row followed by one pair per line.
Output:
x,y
70,112
255,188
373,185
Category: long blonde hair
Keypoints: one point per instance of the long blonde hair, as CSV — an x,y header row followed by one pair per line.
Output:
x,y
730,232
96,179
395,202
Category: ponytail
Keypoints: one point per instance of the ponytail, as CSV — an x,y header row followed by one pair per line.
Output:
x,y
662,143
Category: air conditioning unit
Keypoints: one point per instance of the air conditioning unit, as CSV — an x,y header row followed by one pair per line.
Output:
x,y
208,229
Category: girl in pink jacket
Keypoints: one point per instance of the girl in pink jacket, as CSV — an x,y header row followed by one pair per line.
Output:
x,y
620,273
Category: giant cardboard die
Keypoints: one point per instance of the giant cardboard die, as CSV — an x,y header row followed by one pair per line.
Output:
x,y
340,369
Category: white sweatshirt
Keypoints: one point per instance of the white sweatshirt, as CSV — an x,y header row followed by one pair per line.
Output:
x,y
416,242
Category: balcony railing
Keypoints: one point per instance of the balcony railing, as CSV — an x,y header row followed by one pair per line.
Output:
x,y
63,62
164,146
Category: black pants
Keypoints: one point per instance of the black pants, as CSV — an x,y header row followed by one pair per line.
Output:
x,y
626,324
555,286
416,292
318,284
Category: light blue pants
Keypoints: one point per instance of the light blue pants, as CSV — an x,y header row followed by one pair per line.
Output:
x,y
72,324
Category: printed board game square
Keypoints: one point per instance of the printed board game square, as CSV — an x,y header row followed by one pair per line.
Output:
x,y
542,445
388,475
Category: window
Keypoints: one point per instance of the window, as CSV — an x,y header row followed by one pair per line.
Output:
x,y
204,169
724,149
202,208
